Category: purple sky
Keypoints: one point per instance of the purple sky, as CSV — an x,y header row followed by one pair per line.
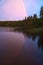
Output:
x,y
18,9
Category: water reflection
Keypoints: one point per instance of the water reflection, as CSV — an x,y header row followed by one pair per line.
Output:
x,y
20,48
11,44
40,39
40,42
33,36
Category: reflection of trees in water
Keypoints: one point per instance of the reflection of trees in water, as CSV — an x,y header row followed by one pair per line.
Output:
x,y
33,36
40,42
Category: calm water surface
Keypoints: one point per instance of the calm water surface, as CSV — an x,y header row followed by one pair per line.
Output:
x,y
18,48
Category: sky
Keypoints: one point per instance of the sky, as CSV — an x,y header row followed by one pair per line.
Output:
x,y
19,9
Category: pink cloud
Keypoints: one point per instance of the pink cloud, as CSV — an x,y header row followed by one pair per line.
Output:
x,y
14,10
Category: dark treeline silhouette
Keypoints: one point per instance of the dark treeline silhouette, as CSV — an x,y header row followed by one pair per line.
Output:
x,y
28,22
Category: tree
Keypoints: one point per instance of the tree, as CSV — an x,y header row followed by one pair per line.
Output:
x,y
35,16
41,12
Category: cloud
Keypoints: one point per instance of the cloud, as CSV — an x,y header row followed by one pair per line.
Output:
x,y
13,10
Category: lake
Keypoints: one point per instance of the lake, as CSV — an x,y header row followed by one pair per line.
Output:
x,y
19,48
